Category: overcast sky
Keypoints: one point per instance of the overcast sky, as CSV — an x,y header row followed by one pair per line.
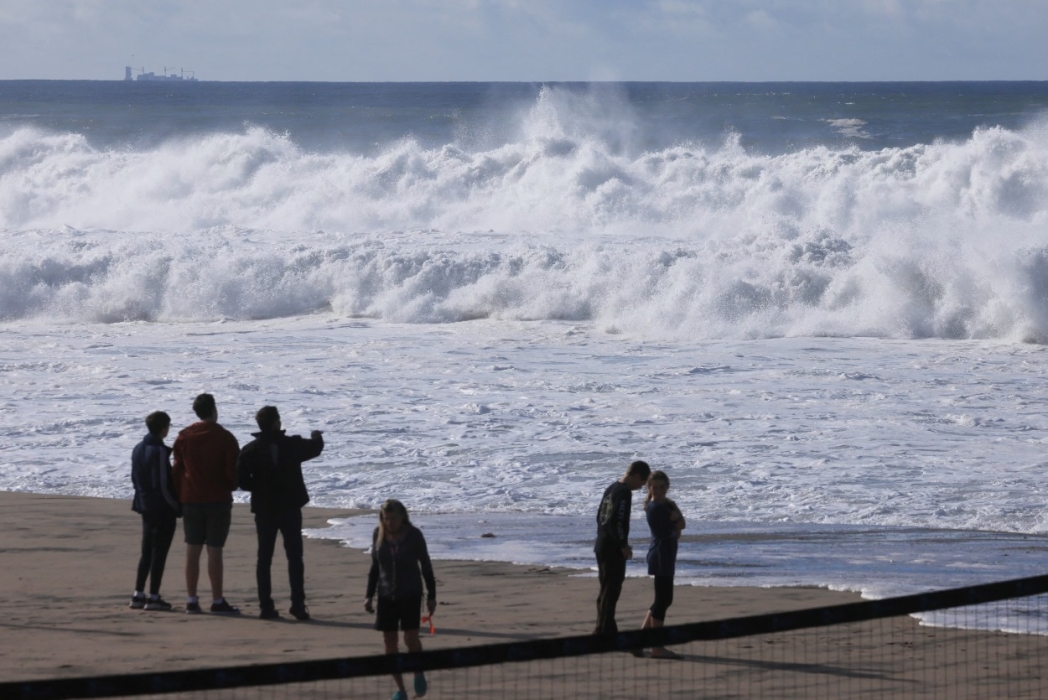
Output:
x,y
528,40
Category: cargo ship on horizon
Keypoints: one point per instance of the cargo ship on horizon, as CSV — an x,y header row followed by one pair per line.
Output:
x,y
174,77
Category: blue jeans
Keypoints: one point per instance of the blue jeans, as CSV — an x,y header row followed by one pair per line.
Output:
x,y
289,524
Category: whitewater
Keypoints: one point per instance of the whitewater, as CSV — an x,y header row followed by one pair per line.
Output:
x,y
835,349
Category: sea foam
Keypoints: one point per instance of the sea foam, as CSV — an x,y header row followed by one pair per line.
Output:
x,y
565,221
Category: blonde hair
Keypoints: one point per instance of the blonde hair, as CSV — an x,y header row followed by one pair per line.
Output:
x,y
391,505
656,476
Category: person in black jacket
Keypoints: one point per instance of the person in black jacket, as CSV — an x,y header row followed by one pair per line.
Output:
x,y
155,501
270,467
399,563
612,545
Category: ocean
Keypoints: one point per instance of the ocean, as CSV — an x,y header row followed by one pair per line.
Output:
x,y
822,309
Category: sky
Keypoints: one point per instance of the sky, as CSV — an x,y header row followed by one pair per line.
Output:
x,y
527,40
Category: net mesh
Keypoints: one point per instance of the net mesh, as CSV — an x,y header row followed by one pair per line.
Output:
x,y
859,650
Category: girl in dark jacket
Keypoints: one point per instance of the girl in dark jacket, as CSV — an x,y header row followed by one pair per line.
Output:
x,y
399,563
666,522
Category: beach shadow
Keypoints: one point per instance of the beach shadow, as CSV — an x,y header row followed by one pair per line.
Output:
x,y
77,630
424,632
455,632
815,669
317,622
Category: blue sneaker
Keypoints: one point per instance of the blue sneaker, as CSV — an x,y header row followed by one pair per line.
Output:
x,y
420,684
399,695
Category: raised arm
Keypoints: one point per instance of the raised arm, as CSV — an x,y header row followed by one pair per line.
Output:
x,y
311,447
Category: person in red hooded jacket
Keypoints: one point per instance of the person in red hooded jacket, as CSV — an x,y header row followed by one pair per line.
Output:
x,y
204,477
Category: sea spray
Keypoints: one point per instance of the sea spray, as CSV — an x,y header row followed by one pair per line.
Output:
x,y
564,216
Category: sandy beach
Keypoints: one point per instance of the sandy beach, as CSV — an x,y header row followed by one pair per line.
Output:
x,y
69,568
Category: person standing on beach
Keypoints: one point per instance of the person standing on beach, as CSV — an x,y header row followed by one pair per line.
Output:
x,y
665,522
398,554
155,501
270,467
205,477
612,546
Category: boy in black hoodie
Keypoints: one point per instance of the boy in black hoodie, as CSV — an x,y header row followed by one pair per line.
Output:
x,y
612,546
155,501
270,467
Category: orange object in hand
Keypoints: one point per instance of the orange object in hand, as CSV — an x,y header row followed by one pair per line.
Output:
x,y
429,619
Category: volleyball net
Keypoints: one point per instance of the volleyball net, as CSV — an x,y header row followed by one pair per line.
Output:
x,y
867,649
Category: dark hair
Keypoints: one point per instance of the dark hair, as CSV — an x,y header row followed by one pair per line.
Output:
x,y
639,468
157,421
267,417
204,406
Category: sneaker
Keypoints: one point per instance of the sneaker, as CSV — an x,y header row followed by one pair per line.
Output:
x,y
420,684
158,603
269,614
193,609
399,695
224,608
137,602
299,612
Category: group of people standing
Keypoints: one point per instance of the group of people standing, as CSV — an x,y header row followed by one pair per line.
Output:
x,y
209,465
198,487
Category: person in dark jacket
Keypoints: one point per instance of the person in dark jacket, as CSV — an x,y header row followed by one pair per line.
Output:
x,y
612,545
270,467
155,501
398,554
666,523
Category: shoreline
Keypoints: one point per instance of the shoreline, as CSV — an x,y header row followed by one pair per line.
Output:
x,y
873,561
69,571
69,565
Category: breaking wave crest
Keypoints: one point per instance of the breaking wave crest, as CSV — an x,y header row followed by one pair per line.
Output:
x,y
563,222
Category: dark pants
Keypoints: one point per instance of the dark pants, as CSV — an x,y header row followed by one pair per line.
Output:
x,y
289,524
663,597
611,566
156,541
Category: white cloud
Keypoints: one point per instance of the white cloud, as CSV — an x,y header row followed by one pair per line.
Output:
x,y
681,7
887,8
761,19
